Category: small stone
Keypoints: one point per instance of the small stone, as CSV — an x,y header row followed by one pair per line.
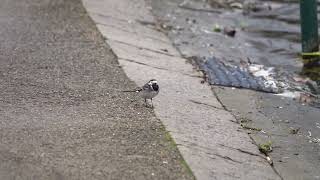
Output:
x,y
269,160
294,130
315,89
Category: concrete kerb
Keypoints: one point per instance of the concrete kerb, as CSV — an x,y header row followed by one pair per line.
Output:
x,y
205,133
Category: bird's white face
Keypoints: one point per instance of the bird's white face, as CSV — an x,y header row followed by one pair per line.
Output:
x,y
153,81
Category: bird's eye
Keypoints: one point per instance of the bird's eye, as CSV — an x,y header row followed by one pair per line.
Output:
x,y
155,87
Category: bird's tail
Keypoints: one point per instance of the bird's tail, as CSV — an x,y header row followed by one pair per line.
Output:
x,y
137,90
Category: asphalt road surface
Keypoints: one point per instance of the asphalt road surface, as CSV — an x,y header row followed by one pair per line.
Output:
x,y
62,112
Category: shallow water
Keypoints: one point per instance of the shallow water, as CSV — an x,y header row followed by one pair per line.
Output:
x,y
269,36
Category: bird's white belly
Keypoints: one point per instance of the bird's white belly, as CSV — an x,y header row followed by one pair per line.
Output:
x,y
149,95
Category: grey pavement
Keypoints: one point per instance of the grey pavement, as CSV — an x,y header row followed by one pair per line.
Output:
x,y
207,135
295,155
62,112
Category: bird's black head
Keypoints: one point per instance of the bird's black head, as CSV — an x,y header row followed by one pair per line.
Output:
x,y
155,87
154,84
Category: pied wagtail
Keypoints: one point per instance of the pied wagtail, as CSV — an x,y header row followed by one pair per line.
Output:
x,y
148,91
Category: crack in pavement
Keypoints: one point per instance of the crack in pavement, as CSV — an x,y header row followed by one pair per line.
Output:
x,y
203,149
133,61
201,103
243,151
255,143
144,64
139,47
125,30
271,165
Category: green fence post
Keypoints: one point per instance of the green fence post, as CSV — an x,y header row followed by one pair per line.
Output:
x,y
309,25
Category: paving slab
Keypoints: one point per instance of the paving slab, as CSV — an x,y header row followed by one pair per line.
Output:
x,y
295,154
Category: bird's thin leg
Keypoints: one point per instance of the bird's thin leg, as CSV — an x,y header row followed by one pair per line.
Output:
x,y
145,102
151,103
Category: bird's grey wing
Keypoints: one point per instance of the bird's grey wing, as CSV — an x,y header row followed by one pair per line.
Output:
x,y
146,87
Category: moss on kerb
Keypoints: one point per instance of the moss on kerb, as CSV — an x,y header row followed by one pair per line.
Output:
x,y
186,166
250,128
265,148
181,159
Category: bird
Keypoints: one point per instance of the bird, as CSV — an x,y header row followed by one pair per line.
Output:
x,y
148,91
